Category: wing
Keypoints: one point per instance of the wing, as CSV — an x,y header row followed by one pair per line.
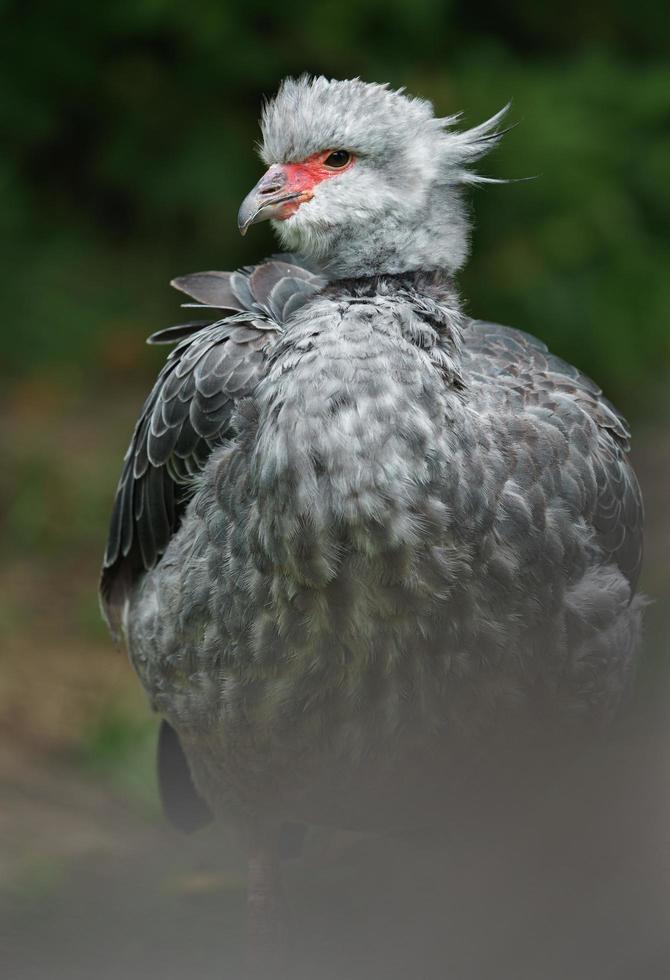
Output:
x,y
182,804
217,361
524,364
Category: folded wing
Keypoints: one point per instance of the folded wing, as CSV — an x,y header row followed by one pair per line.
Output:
x,y
535,377
218,359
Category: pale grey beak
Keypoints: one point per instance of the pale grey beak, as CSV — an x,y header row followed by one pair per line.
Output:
x,y
265,199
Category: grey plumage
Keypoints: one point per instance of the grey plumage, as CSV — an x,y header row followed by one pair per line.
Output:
x,y
355,527
397,532
188,411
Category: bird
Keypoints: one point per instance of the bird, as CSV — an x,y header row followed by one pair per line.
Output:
x,y
359,534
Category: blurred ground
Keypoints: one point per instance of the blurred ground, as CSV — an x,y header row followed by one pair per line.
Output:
x,y
93,883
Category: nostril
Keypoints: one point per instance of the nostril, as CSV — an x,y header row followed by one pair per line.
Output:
x,y
272,183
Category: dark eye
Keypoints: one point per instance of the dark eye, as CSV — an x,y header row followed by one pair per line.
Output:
x,y
337,159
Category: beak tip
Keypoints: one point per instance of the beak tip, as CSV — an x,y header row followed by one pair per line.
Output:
x,y
248,212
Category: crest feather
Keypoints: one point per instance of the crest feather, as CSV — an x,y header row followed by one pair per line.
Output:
x,y
462,149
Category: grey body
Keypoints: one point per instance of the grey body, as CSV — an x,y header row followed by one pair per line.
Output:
x,y
418,531
358,536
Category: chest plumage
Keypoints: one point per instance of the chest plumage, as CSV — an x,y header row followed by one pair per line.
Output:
x,y
404,537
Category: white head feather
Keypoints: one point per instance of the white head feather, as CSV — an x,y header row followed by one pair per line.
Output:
x,y
400,207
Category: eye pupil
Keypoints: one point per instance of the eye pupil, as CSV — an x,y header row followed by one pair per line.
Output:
x,y
338,158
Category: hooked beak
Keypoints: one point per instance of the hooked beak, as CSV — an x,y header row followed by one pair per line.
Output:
x,y
275,195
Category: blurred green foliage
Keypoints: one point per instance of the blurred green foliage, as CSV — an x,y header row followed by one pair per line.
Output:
x,y
121,748
131,128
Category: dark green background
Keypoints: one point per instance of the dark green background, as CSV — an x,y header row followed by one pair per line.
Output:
x,y
130,144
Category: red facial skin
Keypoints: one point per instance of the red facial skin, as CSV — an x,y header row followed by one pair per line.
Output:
x,y
303,177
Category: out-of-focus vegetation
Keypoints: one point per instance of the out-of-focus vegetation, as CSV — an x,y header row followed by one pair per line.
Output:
x,y
129,132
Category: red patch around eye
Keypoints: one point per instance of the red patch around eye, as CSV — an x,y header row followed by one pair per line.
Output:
x,y
304,176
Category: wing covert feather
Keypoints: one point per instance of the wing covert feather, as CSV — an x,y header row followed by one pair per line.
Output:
x,y
612,500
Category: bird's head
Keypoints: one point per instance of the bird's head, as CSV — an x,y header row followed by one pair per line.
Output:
x,y
365,180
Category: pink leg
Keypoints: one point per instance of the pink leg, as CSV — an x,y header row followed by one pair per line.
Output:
x,y
267,914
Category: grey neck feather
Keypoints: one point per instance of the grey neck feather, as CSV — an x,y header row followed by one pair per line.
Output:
x,y
435,238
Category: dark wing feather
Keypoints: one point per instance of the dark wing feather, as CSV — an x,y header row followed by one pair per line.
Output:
x,y
171,335
524,364
189,410
212,289
182,804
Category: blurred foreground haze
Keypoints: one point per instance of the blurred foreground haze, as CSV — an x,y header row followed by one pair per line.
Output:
x,y
129,144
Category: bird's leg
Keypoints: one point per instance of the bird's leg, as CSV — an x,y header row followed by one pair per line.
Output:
x,y
268,930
